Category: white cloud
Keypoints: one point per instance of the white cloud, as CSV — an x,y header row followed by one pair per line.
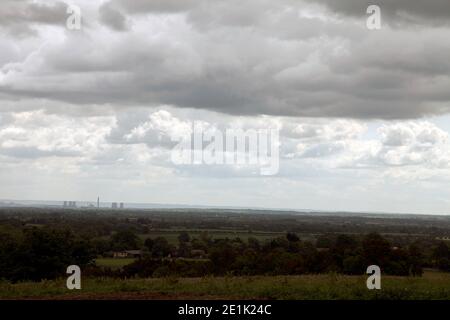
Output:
x,y
98,109
415,143
36,134
131,150
160,129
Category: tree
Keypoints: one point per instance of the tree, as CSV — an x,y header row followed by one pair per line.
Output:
x,y
415,260
324,241
222,256
354,265
376,250
8,246
100,246
161,247
124,240
148,243
46,253
343,247
184,250
441,256
253,243
247,262
292,237
345,244
184,237
205,237
279,242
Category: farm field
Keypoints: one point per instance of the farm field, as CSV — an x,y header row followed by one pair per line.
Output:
x,y
221,255
172,235
433,285
113,263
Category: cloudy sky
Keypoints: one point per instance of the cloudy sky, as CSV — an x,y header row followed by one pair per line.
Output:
x,y
363,115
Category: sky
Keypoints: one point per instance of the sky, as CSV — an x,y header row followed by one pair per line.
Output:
x,y
363,115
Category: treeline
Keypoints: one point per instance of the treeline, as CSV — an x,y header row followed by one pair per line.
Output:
x,y
283,256
45,253
42,254
98,223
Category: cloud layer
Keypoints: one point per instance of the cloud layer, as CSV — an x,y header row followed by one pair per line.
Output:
x,y
363,115
288,58
398,12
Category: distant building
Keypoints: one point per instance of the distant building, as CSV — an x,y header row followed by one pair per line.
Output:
x,y
69,204
128,254
120,254
116,205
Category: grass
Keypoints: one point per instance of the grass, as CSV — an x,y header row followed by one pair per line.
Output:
x,y
432,285
172,235
113,263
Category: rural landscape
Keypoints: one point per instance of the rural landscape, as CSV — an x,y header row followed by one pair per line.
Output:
x,y
278,151
221,254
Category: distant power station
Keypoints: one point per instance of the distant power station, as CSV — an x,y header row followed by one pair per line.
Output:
x,y
70,204
115,205
73,204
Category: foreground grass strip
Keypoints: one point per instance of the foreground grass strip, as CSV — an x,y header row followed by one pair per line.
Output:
x,y
316,287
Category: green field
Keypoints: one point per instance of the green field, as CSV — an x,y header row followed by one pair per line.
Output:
x,y
172,234
113,263
433,285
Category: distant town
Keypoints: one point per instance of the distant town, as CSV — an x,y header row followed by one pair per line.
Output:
x,y
67,204
73,204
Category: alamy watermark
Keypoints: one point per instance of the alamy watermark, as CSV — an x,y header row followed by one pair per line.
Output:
x,y
74,280
73,21
238,147
374,280
374,20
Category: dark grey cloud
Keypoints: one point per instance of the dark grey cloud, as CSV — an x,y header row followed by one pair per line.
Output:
x,y
17,17
156,6
265,58
113,18
395,12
